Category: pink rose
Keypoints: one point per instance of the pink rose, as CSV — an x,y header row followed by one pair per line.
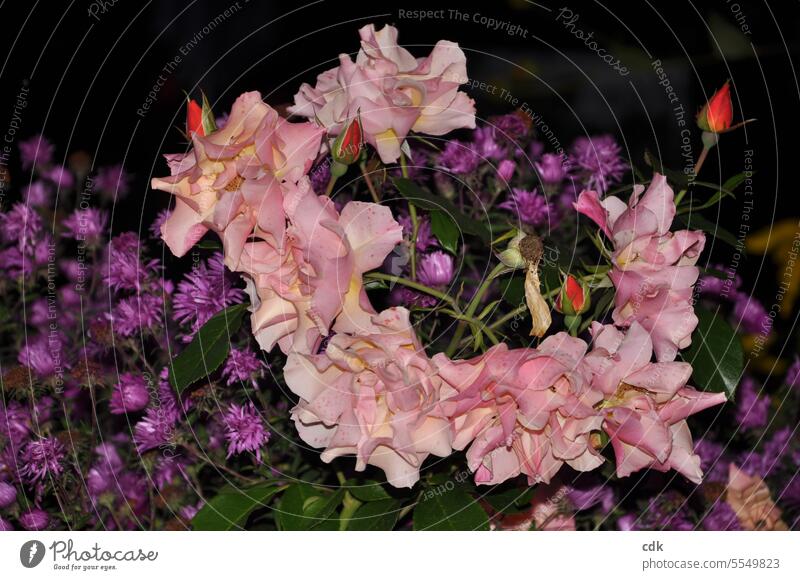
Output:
x,y
392,92
645,404
523,411
375,396
549,512
749,497
654,269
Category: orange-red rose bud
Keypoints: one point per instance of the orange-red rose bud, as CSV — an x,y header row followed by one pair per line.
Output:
x,y
194,118
347,146
573,298
717,114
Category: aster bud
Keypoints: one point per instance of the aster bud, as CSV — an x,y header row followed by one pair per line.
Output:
x,y
511,256
8,494
574,298
717,114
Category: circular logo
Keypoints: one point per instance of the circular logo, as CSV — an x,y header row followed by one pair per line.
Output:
x,y
31,553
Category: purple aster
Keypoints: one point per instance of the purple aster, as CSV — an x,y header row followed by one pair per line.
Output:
x,y
404,296
156,429
717,286
458,157
113,180
243,365
42,458
596,162
125,270
42,354
203,292
712,462
750,314
20,226
188,512
512,126
35,151
5,526
668,511
536,149
103,473
133,490
130,394
244,430
752,411
487,144
721,518
530,206
136,312
587,497
436,269
15,422
320,176
61,177
37,194
86,224
425,237
793,374
8,494
158,222
506,169
34,520
168,468
551,168
627,523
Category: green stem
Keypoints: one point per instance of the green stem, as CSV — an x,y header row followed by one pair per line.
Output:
x,y
415,285
412,210
372,191
679,197
701,160
331,183
472,307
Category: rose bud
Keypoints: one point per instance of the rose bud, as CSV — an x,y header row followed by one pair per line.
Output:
x,y
717,114
573,298
194,118
347,146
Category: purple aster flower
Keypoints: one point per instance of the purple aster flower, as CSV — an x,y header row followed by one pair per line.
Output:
x,y
125,270
42,354
243,365
130,394
8,494
203,292
103,473
530,206
536,150
156,429
714,466
425,237
41,459
551,169
668,511
512,126
113,180
627,523
719,287
61,177
21,226
168,468
486,144
588,497
320,176
136,312
244,430
86,224
35,151
158,222
793,374
133,490
721,518
505,169
34,520
15,422
5,526
596,161
188,512
458,157
750,314
436,269
404,296
752,411
37,194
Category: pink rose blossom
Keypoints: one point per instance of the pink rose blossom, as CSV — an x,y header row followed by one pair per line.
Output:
x,y
391,91
654,269
375,396
523,410
750,499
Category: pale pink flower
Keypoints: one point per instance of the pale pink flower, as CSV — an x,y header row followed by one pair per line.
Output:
x,y
375,396
549,512
391,91
749,497
645,404
523,410
654,269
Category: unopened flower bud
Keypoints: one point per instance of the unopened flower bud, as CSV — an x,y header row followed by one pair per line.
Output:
x,y
573,298
717,114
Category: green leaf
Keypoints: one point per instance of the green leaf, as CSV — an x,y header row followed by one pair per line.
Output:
x,y
449,510
304,507
445,230
509,501
715,354
427,201
512,288
209,245
375,516
231,507
696,221
367,491
208,348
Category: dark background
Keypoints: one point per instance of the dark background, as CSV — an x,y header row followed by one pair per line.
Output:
x,y
87,75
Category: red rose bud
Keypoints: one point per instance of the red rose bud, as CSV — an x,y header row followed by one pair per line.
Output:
x,y
194,118
573,298
717,114
347,146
